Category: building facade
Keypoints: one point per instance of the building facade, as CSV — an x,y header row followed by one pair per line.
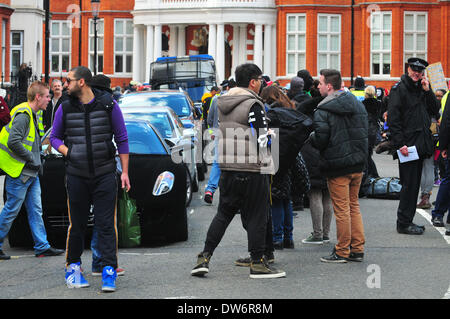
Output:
x,y
26,35
371,38
6,11
316,34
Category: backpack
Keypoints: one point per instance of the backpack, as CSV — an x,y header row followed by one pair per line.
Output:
x,y
384,188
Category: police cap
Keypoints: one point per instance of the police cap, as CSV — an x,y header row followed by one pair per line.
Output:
x,y
417,64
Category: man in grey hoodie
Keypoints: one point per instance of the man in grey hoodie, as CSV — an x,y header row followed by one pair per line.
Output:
x,y
20,159
246,166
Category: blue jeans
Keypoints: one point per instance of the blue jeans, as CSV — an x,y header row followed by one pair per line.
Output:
x,y
443,195
29,193
282,219
214,175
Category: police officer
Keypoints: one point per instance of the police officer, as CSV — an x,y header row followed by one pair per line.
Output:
x,y
360,86
411,103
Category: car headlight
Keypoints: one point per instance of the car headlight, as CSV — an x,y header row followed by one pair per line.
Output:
x,y
164,183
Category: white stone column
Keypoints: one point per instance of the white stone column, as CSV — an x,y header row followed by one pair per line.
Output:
x,y
242,43
274,52
220,54
150,52
212,43
235,49
157,42
137,53
181,40
257,46
268,50
173,40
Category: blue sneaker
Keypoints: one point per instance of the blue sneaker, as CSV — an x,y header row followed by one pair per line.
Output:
x,y
109,279
74,277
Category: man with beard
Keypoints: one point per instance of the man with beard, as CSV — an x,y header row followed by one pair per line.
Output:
x,y
411,102
83,129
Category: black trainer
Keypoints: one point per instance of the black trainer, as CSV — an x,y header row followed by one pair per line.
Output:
x,y
411,230
51,252
4,256
208,197
202,266
437,222
288,243
356,257
333,258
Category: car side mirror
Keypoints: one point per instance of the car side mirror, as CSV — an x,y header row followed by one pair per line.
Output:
x,y
169,142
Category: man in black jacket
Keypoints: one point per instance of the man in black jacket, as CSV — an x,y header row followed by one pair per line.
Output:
x,y
340,134
411,102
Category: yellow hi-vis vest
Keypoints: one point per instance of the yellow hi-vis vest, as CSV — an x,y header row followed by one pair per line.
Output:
x,y
10,163
360,95
40,122
443,101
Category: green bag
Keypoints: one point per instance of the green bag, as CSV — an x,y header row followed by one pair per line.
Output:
x,y
129,226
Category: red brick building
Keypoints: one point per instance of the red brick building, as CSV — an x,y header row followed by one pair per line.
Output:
x,y
281,36
386,34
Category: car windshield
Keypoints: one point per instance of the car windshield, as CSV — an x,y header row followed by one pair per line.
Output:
x,y
160,120
142,139
176,102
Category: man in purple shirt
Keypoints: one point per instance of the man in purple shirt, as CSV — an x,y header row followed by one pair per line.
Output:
x,y
83,129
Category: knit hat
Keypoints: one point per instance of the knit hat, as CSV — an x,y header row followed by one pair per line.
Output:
x,y
297,85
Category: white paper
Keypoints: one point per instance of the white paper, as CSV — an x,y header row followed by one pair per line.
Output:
x,y
412,155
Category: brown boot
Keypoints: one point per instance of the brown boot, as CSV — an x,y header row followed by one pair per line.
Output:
x,y
424,202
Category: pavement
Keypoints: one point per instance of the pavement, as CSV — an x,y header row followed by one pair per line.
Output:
x,y
395,266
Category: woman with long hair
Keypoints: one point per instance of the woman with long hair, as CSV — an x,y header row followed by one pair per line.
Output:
x,y
291,178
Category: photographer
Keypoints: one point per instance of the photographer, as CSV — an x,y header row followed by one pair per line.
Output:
x,y
23,75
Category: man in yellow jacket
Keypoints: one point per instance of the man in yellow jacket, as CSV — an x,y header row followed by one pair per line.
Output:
x,y
20,159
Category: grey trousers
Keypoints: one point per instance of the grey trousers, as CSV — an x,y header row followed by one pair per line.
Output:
x,y
321,209
427,180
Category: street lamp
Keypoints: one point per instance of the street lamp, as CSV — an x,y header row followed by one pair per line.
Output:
x,y
95,9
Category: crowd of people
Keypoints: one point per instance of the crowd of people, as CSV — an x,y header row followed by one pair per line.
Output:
x,y
329,159
310,144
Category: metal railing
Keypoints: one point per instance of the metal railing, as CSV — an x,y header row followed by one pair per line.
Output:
x,y
14,95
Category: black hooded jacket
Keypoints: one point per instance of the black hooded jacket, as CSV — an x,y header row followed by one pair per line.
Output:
x,y
340,134
409,110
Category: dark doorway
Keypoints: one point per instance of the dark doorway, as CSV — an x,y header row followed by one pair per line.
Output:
x,y
228,60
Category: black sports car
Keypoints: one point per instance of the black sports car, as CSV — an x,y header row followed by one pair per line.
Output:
x,y
157,184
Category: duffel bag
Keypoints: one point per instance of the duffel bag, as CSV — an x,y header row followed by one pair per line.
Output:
x,y
384,187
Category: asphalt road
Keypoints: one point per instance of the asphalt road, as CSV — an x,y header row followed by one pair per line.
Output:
x,y
395,265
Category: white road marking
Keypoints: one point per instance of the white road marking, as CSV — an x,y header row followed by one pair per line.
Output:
x,y
191,211
441,230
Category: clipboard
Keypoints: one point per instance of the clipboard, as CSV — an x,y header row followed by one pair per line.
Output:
x,y
412,155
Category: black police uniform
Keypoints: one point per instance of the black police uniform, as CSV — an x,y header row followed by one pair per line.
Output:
x,y
409,110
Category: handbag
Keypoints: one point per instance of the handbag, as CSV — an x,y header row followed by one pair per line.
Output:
x,y
129,225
